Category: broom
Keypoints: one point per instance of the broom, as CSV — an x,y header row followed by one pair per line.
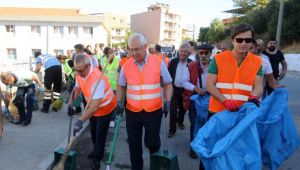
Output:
x,y
61,164
58,103
1,124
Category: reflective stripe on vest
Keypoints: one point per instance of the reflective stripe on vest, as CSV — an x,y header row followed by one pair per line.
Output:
x,y
143,86
236,97
234,86
45,59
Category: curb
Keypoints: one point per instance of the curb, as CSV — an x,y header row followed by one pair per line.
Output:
x,y
46,164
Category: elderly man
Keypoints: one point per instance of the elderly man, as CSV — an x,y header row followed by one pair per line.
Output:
x,y
24,80
103,101
177,69
194,82
142,75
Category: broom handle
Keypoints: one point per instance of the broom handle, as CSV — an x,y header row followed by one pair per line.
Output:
x,y
165,151
112,147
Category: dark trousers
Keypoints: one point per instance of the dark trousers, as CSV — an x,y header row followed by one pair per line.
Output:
x,y
192,117
29,91
53,76
135,121
98,129
176,109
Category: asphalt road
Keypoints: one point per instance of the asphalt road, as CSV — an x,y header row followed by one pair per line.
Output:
x,y
180,142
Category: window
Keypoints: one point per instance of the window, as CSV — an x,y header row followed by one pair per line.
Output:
x,y
73,30
118,31
122,21
10,28
88,30
12,53
36,29
33,51
58,30
58,52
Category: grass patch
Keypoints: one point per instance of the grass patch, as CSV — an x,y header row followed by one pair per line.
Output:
x,y
292,49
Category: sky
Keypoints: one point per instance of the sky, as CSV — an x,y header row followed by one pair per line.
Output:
x,y
198,12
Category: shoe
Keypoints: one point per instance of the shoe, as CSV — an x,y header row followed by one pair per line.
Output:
x,y
181,126
171,134
112,124
25,123
95,166
54,109
44,111
18,122
192,154
91,155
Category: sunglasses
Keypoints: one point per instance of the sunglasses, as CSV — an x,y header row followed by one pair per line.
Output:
x,y
203,53
240,40
81,71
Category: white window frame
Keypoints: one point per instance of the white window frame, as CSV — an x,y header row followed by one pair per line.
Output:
x,y
58,31
35,30
73,31
58,52
87,31
118,31
11,53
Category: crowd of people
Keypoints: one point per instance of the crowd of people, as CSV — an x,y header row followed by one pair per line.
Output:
x,y
146,84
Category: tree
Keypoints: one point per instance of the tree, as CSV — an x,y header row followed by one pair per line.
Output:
x,y
250,5
203,34
216,31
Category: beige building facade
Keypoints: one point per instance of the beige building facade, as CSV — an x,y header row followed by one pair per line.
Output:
x,y
159,24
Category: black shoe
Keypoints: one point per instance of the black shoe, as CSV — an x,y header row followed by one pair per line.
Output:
x,y
18,122
44,110
171,134
25,123
54,109
91,155
95,166
181,126
192,154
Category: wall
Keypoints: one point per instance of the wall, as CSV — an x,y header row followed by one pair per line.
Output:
x,y
293,61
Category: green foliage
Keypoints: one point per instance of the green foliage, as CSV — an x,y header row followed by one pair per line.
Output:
x,y
212,34
265,18
250,5
203,34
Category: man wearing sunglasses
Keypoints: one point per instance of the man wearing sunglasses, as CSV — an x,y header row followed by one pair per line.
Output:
x,y
194,82
100,109
235,77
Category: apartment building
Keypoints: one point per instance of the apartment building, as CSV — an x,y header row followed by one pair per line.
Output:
x,y
23,31
159,24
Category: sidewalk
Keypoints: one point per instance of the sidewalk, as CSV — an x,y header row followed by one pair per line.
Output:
x,y
32,147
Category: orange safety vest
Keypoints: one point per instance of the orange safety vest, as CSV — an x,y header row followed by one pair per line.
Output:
x,y
166,59
143,87
234,82
109,100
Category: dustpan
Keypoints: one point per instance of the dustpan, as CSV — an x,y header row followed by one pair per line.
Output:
x,y
164,160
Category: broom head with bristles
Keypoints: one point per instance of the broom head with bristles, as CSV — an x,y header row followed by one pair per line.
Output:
x,y
58,103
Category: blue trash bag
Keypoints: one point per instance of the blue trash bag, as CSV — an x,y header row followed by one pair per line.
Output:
x,y
229,140
277,131
201,103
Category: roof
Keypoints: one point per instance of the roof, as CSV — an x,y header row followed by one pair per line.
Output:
x,y
45,14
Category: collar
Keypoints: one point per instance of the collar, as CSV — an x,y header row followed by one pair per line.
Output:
x,y
145,59
90,71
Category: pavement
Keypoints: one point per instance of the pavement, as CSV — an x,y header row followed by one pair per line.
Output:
x,y
31,147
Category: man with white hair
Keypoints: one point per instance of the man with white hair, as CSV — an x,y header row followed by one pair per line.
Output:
x,y
142,75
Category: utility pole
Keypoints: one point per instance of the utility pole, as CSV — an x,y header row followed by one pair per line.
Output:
x,y
279,26
193,32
